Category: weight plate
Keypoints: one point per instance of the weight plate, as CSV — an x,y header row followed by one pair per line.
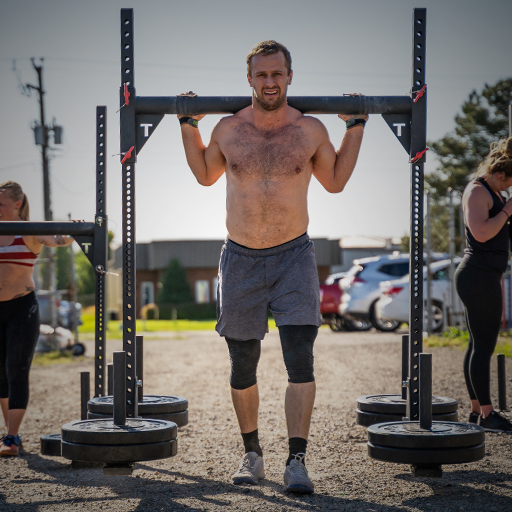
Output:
x,y
370,418
409,434
105,432
180,418
119,453
395,404
51,445
151,404
426,455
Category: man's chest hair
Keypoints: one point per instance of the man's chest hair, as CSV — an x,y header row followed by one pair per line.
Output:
x,y
267,154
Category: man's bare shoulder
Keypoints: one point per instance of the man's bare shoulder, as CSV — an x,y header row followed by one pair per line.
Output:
x,y
313,127
228,123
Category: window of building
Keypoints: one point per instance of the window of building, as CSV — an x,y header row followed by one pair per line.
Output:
x,y
214,288
202,291
147,292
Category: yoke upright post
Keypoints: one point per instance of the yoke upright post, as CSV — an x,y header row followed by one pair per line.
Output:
x,y
128,159
100,251
417,159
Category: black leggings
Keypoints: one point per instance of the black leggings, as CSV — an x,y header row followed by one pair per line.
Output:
x,y
19,331
480,291
297,344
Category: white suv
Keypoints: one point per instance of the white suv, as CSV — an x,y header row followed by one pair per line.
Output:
x,y
393,304
361,287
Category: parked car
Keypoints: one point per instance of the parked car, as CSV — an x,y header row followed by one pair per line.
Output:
x,y
63,309
60,338
361,286
393,305
330,301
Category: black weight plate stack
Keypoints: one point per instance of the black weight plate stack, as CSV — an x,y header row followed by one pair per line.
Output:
x,y
373,409
169,408
405,442
180,418
51,445
101,440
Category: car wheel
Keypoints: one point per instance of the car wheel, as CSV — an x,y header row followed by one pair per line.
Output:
x,y
338,324
382,325
78,349
351,324
437,316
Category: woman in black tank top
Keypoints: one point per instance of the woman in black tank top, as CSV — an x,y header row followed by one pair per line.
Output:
x,y
478,277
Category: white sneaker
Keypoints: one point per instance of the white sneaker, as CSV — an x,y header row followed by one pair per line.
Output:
x,y
296,477
250,469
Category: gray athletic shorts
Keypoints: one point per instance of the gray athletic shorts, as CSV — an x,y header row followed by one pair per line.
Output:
x,y
283,279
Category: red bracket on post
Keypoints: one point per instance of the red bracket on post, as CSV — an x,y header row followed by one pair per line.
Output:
x,y
418,155
127,155
420,93
126,95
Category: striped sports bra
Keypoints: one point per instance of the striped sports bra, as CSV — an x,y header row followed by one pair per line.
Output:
x,y
17,253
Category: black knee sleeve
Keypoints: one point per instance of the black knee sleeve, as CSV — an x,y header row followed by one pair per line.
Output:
x,y
297,343
244,356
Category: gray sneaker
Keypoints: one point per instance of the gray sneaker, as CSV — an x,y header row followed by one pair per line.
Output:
x,y
250,469
296,477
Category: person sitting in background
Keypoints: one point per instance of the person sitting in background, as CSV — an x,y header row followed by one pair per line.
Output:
x,y
478,277
19,311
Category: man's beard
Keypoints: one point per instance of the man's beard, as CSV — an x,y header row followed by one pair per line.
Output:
x,y
269,106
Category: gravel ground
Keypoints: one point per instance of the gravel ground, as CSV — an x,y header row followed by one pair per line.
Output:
x,y
196,366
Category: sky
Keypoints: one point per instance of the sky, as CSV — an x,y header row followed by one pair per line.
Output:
x,y
337,47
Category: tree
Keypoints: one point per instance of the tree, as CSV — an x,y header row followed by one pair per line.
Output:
x,y
62,267
175,287
84,272
483,119
85,275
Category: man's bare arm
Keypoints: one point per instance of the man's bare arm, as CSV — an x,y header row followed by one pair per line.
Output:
x,y
206,162
333,170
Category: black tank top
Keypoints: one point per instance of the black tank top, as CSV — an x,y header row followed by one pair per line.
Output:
x,y
493,254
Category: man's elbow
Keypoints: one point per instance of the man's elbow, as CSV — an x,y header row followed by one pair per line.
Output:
x,y
206,179
205,182
334,188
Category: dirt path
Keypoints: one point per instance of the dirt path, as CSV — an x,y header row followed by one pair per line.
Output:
x,y
196,366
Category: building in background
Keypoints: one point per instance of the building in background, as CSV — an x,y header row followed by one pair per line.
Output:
x,y
357,247
200,260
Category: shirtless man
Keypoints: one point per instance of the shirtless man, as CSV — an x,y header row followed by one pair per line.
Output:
x,y
269,151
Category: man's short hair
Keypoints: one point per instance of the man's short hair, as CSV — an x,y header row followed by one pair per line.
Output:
x,y
269,48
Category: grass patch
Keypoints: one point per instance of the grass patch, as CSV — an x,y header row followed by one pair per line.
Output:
x,y
454,337
114,327
55,357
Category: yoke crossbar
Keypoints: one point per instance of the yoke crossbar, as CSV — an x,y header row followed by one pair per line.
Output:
x,y
305,104
24,228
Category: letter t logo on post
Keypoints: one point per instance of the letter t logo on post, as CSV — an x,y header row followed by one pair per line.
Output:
x,y
146,127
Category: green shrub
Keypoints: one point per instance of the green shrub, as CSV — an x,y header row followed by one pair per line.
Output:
x,y
188,311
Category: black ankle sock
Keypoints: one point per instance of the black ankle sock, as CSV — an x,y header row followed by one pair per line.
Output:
x,y
252,443
296,445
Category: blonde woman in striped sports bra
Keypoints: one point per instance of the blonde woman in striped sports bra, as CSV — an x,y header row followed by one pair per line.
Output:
x,y
19,311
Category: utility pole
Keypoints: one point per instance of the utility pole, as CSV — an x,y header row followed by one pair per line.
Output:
x,y
72,289
42,139
41,133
